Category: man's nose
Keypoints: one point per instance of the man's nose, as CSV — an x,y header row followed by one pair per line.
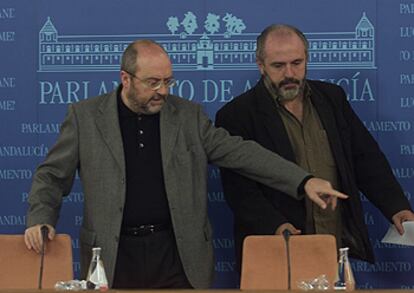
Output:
x,y
289,71
163,90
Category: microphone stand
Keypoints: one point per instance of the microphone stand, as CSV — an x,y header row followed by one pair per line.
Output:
x,y
286,234
44,230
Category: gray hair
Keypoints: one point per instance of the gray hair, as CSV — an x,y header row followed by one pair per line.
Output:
x,y
282,29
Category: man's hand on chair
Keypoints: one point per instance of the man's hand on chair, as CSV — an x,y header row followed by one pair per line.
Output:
x,y
33,236
287,226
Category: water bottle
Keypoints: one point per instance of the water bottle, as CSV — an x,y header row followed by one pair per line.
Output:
x,y
345,279
96,278
72,285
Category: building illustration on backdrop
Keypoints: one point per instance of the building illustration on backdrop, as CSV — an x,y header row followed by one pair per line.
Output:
x,y
221,46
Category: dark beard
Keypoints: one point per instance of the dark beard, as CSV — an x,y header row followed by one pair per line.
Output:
x,y
288,95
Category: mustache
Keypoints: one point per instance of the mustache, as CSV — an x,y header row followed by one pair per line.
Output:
x,y
289,80
157,97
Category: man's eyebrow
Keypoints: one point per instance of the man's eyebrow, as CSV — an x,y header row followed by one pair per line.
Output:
x,y
157,78
278,63
299,59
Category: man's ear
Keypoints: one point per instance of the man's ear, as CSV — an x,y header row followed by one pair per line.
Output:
x,y
125,79
260,66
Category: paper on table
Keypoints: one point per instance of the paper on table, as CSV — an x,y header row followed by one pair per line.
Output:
x,y
407,238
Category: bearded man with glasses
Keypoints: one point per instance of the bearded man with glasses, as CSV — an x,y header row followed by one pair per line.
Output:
x,y
142,157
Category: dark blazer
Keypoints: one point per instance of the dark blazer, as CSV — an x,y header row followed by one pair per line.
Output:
x,y
361,167
90,142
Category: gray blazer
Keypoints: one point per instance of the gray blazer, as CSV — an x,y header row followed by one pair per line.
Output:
x,y
90,141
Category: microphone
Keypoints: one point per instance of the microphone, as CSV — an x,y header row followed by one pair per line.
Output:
x,y
286,235
44,230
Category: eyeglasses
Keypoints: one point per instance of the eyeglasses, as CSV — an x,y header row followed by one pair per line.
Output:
x,y
153,83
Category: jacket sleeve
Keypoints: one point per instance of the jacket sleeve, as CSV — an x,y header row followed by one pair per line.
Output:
x,y
249,158
244,196
374,176
53,179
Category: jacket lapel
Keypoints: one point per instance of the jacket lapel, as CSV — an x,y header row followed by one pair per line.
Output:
x,y
107,122
272,123
168,130
327,117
